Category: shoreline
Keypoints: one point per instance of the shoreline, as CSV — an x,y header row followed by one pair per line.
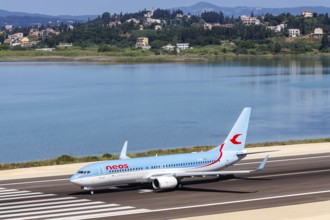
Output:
x,y
69,169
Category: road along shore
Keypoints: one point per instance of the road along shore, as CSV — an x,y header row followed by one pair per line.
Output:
x,y
68,169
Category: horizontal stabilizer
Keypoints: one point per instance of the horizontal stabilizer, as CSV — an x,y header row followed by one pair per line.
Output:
x,y
263,164
255,152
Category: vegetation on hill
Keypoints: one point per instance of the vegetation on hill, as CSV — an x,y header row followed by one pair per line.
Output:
x,y
118,32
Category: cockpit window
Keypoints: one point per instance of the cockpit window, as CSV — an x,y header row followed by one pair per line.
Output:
x,y
83,172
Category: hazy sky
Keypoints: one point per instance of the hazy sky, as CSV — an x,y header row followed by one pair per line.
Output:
x,y
88,7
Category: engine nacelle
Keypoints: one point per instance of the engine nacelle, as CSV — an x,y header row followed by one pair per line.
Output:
x,y
164,182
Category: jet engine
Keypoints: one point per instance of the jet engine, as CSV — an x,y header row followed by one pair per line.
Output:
x,y
164,182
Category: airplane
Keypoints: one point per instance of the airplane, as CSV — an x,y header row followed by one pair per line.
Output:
x,y
166,172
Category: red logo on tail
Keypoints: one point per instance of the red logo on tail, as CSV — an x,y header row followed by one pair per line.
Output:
x,y
234,141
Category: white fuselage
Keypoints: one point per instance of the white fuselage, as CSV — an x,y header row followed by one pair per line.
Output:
x,y
139,170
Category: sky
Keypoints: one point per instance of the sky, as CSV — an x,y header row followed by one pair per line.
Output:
x,y
97,7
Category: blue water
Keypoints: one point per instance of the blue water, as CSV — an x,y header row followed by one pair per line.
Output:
x,y
51,109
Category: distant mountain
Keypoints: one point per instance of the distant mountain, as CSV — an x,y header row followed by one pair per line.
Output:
x,y
25,19
201,7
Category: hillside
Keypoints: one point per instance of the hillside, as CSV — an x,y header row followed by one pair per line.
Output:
x,y
243,10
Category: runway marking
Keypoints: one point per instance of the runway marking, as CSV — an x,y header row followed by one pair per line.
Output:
x,y
37,181
103,215
284,160
27,197
7,190
13,192
141,211
96,209
33,201
21,194
66,207
46,203
243,201
52,207
295,173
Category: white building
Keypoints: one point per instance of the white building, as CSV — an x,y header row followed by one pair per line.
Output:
x,y
45,49
149,14
134,20
65,45
278,28
168,47
158,27
182,46
247,20
294,32
307,14
151,20
16,36
141,42
8,27
179,15
318,32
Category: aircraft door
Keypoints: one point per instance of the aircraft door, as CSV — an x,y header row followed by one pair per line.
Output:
x,y
101,172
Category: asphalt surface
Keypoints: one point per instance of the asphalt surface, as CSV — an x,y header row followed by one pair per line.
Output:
x,y
284,181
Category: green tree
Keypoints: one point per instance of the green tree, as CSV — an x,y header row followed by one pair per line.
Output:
x,y
277,47
324,42
105,18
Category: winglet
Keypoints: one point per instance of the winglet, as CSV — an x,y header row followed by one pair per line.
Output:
x,y
263,164
123,154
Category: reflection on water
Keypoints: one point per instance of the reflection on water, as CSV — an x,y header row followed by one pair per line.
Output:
x,y
50,109
296,65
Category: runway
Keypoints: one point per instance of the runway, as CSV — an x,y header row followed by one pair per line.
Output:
x,y
284,181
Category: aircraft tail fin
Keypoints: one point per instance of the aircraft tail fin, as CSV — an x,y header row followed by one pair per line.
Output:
x,y
236,138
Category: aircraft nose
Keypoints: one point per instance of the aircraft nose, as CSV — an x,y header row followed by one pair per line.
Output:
x,y
74,179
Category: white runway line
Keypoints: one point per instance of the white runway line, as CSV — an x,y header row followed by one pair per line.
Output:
x,y
21,194
295,173
103,215
140,211
38,181
69,207
243,201
68,213
50,207
36,201
14,192
27,197
7,190
44,204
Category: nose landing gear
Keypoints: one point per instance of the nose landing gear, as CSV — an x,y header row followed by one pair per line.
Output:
x,y
91,190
